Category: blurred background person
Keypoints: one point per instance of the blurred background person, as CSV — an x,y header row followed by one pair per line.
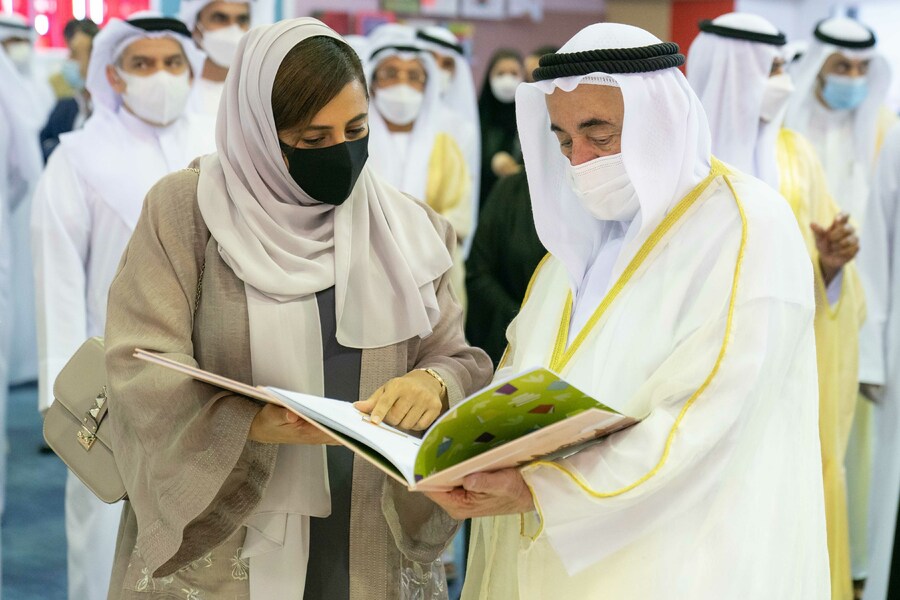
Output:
x,y
841,84
501,153
409,146
736,68
85,208
217,26
73,104
880,267
79,37
20,166
17,38
35,98
505,252
460,115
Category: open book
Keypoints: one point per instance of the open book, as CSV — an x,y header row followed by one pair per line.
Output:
x,y
531,415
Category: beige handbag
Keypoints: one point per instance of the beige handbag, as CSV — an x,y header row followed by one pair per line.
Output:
x,y
73,425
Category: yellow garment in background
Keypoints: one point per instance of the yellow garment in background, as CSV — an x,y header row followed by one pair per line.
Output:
x,y
61,87
804,185
449,193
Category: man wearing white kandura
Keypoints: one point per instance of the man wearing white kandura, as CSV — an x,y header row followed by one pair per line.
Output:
x,y
678,291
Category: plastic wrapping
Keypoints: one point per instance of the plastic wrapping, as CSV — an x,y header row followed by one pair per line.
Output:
x,y
420,581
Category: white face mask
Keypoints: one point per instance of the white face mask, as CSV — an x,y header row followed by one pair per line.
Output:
x,y
158,99
504,87
221,45
445,78
399,104
775,97
604,188
20,54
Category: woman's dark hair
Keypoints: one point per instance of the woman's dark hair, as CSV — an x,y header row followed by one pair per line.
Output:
x,y
310,76
75,26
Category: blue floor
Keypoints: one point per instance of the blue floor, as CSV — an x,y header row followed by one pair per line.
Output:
x,y
33,530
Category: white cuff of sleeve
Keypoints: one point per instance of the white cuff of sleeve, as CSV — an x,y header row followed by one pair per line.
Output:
x,y
833,291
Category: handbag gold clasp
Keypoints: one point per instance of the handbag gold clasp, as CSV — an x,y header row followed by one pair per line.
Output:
x,y
86,439
87,435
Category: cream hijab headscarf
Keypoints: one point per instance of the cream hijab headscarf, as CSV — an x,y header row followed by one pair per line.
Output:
x,y
379,250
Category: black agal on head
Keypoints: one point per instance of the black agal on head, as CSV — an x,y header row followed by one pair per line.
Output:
x,y
395,48
644,59
436,40
153,24
708,26
853,44
15,25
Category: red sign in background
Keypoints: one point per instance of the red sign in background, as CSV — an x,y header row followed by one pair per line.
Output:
x,y
51,16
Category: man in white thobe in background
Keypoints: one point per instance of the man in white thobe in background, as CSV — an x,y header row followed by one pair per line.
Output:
x,y
20,166
17,39
841,84
217,27
29,82
410,143
677,291
880,361
85,208
460,100
736,68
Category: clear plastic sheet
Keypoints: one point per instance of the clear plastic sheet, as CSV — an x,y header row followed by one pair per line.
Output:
x,y
420,581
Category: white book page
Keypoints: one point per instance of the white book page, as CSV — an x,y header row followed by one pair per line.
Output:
x,y
397,446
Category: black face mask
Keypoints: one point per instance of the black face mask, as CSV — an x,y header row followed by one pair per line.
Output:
x,y
328,174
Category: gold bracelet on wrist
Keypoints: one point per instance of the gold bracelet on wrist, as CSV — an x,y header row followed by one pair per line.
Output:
x,y
439,379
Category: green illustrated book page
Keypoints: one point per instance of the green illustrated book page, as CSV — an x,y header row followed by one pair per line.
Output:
x,y
506,411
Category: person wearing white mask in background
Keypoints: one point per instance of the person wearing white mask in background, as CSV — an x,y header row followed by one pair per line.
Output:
x,y
841,85
736,68
68,81
31,83
217,27
460,115
20,166
501,153
679,291
85,208
410,147
17,39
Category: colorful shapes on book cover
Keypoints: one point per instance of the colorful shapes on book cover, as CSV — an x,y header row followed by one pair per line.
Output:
x,y
498,415
507,389
444,445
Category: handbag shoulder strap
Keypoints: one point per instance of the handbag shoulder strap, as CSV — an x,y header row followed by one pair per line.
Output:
x,y
199,288
195,169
